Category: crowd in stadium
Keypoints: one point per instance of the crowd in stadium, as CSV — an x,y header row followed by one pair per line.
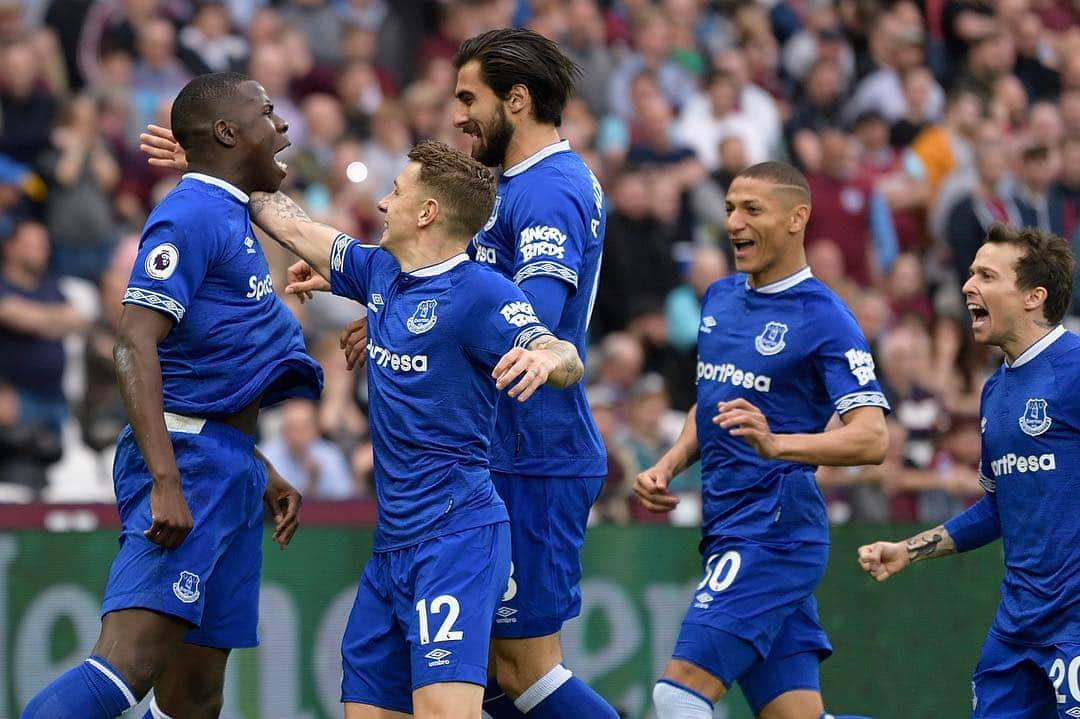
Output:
x,y
917,124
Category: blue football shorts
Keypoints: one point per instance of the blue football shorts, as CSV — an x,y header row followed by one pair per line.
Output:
x,y
423,615
753,618
1021,682
212,579
547,529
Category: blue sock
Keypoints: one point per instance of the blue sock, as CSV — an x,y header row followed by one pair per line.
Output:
x,y
498,704
561,695
92,690
155,712
827,715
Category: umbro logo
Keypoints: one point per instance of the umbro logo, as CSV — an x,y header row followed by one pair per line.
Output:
x,y
376,302
505,615
250,245
438,657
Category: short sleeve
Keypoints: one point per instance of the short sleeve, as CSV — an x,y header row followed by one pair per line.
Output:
x,y
504,319
169,269
845,364
351,267
552,230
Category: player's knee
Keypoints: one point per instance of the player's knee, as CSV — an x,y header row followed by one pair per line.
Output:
x,y
673,701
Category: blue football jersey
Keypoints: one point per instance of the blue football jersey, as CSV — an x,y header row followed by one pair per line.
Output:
x,y
1031,469
233,341
434,335
549,221
793,350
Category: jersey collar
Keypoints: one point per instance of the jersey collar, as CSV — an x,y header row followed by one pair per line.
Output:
x,y
439,267
1036,349
218,182
548,151
783,284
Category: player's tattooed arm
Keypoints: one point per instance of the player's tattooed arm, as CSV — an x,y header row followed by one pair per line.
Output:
x,y
286,222
882,560
569,369
930,545
546,361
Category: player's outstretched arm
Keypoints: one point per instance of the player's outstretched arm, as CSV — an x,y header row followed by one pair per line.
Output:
x,y
651,486
882,560
282,501
139,373
863,438
287,223
547,360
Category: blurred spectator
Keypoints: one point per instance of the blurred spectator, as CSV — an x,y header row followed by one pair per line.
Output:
x,y
646,404
340,417
269,67
27,110
898,48
944,148
898,176
683,304
817,106
986,204
989,58
158,74
361,94
1009,105
207,43
917,84
753,100
1036,204
707,198
1067,188
1035,58
319,21
306,75
908,383
613,504
907,291
638,268
585,44
708,118
826,261
388,149
81,173
102,414
325,122
313,465
26,450
821,39
849,211
619,362
34,319
652,53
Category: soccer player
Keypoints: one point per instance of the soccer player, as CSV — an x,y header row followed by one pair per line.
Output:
x,y
778,354
438,323
203,344
547,459
1018,292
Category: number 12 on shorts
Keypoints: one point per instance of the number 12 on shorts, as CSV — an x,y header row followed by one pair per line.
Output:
x,y
446,632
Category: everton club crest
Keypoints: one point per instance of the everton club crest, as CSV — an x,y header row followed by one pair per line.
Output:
x,y
1035,421
424,318
771,339
186,588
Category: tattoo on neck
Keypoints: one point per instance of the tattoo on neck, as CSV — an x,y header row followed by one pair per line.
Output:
x,y
923,547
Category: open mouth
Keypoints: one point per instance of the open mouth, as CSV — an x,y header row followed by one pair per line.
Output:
x,y
282,166
742,245
979,314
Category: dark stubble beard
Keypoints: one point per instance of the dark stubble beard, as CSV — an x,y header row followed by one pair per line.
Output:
x,y
496,139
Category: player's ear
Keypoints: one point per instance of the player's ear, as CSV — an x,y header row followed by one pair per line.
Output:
x,y
518,98
1035,298
429,212
800,215
225,132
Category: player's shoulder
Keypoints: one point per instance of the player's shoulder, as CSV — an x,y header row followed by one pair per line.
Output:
x,y
480,280
724,286
822,305
189,210
1064,355
562,175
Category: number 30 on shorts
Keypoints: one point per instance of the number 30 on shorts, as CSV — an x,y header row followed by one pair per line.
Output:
x,y
720,571
446,632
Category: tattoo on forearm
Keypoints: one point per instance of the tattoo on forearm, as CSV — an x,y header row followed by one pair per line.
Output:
x,y
928,545
569,366
281,207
